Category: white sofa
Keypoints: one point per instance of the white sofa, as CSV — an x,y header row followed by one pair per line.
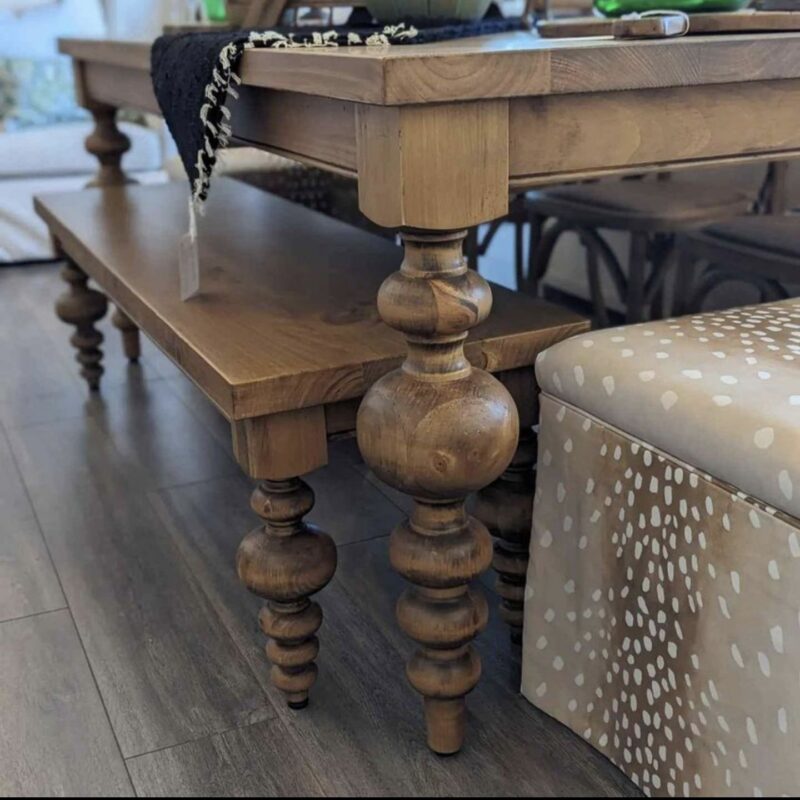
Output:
x,y
52,158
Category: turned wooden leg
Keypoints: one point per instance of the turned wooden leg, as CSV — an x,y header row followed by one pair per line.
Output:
x,y
438,429
130,334
107,143
637,265
83,307
286,561
506,508
685,274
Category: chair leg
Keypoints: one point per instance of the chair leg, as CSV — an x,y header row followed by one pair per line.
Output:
x,y
606,257
519,251
774,291
130,334
684,282
472,248
661,256
637,264
285,561
83,307
593,258
540,253
535,234
488,237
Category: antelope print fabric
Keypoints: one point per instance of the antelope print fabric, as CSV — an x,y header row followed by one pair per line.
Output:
x,y
662,618
720,391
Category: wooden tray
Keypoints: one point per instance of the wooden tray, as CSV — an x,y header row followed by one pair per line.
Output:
x,y
748,21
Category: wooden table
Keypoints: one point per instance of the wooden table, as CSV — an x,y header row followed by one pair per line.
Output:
x,y
438,136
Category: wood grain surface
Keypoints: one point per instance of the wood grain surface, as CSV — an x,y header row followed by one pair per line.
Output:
x,y
293,291
503,65
55,738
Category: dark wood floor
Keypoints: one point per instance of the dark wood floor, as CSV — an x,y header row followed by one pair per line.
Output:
x,y
130,659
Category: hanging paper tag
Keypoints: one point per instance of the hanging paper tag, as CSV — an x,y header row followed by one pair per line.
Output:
x,y
188,259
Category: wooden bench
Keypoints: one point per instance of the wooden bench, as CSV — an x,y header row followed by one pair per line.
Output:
x,y
285,339
762,250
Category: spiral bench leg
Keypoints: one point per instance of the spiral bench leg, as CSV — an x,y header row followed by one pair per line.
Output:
x,y
285,561
83,307
129,331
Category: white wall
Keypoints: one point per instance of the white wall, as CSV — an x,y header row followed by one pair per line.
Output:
x,y
143,19
33,33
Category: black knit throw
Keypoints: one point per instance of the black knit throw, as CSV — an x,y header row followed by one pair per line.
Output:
x,y
193,74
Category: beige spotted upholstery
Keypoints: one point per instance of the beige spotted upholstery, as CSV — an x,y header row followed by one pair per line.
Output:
x,y
720,391
662,618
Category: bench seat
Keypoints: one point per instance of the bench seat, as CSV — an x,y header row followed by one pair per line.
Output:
x,y
286,317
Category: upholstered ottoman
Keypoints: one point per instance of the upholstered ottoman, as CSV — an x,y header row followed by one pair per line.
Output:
x,y
663,596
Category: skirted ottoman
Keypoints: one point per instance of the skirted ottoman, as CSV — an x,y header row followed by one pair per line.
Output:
x,y
663,599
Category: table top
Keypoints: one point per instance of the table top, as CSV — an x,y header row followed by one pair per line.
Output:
x,y
502,65
522,111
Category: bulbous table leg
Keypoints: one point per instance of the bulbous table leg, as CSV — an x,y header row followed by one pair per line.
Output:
x,y
83,307
438,429
108,144
285,562
506,508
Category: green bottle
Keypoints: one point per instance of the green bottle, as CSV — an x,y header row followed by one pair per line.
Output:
x,y
216,10
616,8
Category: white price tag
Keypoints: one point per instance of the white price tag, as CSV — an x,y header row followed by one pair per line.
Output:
x,y
189,259
188,266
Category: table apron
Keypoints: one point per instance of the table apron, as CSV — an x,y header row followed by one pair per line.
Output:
x,y
565,137
551,138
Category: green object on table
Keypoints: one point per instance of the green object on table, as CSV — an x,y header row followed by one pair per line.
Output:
x,y
616,8
216,10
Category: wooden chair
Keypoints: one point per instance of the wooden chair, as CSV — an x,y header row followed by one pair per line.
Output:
x,y
651,211
285,339
763,251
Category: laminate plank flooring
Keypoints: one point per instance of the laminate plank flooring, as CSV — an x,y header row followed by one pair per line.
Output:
x,y
35,294
40,381
28,368
151,429
141,514
257,761
167,669
362,729
202,409
55,738
28,582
